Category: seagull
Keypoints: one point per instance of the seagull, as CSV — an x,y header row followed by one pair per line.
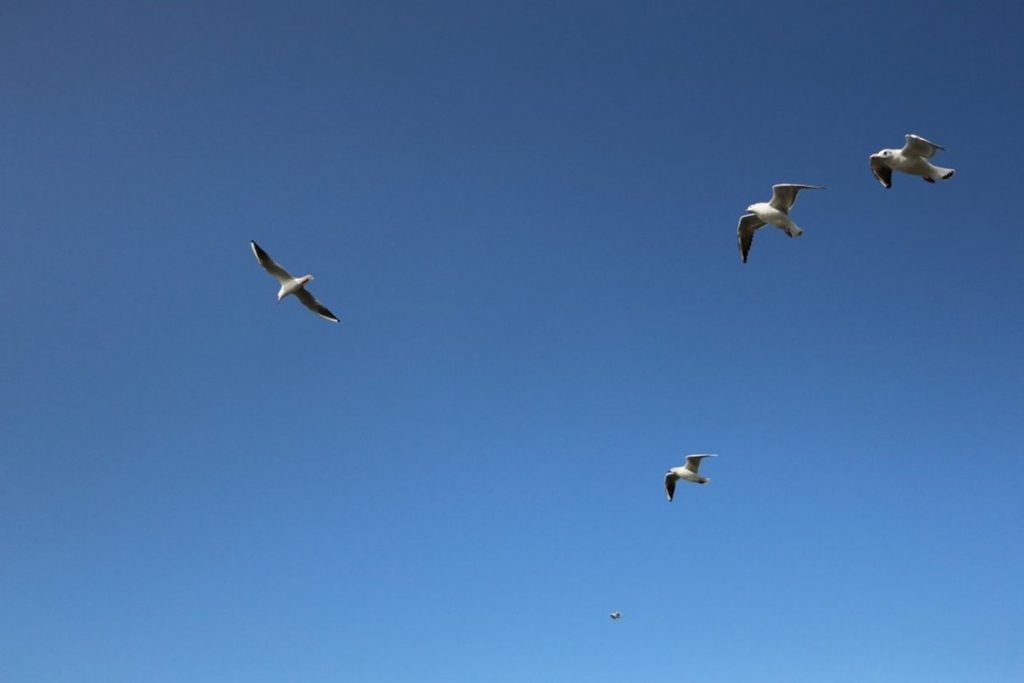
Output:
x,y
292,285
687,472
912,159
615,616
775,211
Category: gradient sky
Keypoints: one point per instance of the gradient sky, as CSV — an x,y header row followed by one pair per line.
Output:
x,y
525,215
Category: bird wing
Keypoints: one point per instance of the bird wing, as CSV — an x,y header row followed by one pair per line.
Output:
x,y
670,485
269,265
749,222
310,302
693,461
918,146
881,170
784,194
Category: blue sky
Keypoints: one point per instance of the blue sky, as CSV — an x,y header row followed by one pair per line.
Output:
x,y
524,214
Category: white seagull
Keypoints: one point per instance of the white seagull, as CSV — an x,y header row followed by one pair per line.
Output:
x,y
615,616
912,159
292,285
687,472
774,211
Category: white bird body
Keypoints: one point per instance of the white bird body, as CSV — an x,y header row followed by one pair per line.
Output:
x,y
684,473
912,164
615,616
291,285
768,214
688,472
912,159
773,212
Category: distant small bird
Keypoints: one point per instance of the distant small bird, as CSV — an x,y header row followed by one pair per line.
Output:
x,y
615,616
687,472
912,159
774,212
292,285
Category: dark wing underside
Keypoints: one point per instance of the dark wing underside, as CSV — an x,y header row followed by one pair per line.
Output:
x,y
745,233
881,171
310,302
269,264
670,485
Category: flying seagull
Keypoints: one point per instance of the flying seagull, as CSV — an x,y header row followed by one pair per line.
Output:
x,y
615,616
687,472
774,211
912,159
292,285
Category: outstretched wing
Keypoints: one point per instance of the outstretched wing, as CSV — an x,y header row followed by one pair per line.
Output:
x,y
881,170
919,147
670,485
310,302
784,194
749,222
269,265
693,461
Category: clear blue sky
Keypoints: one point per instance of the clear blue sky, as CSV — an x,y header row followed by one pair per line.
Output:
x,y
525,215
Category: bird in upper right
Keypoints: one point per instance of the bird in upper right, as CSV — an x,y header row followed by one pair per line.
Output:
x,y
912,159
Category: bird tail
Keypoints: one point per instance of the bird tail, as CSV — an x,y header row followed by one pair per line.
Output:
x,y
793,230
939,173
